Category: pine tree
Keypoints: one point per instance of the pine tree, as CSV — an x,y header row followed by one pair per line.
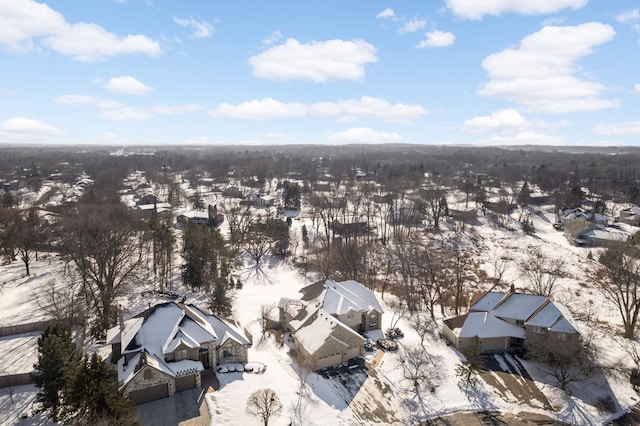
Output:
x,y
95,395
57,361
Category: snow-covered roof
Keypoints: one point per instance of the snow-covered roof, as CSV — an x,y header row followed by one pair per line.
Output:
x,y
194,214
314,335
605,235
555,317
165,328
487,325
518,306
488,301
345,296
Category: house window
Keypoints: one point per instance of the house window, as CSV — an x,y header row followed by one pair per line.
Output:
x,y
520,322
539,330
563,336
227,352
373,321
181,354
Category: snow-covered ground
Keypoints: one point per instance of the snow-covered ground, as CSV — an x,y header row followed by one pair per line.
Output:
x,y
386,389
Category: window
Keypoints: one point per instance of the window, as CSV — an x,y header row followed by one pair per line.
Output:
x,y
563,336
373,321
520,322
539,330
181,354
230,351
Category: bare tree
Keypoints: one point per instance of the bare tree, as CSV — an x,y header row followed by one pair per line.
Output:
x,y
266,309
420,366
618,279
102,241
541,271
240,219
500,266
564,361
264,403
399,309
61,300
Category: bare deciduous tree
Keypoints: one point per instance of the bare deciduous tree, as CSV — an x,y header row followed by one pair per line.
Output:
x,y
264,403
266,309
420,366
618,278
541,271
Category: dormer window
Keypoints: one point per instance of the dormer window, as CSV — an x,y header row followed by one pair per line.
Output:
x,y
181,354
520,322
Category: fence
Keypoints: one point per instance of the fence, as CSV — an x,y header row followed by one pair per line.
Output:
x,y
34,326
15,380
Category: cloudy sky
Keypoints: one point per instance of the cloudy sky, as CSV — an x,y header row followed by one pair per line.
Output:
x,y
553,72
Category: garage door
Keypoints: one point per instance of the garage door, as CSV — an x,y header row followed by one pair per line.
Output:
x,y
329,361
150,394
352,353
185,382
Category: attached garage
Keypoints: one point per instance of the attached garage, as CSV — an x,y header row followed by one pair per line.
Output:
x,y
185,382
150,394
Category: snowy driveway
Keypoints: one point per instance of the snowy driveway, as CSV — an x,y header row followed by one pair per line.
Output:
x,y
508,377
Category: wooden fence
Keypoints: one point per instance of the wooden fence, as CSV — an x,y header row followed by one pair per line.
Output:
x,y
9,380
33,326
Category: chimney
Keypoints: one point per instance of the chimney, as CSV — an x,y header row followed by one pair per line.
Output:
x,y
120,318
512,289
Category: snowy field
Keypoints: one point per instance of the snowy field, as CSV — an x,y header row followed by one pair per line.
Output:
x,y
385,396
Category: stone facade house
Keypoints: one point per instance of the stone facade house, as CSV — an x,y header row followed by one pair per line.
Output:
x,y
164,349
325,325
504,321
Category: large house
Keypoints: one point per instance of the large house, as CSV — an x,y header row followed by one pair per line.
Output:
x,y
325,324
630,216
511,320
164,349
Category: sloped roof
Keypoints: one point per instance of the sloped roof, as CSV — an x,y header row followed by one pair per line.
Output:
x,y
314,334
345,296
488,301
519,306
554,316
487,325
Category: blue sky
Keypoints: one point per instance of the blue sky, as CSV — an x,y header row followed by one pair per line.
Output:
x,y
488,72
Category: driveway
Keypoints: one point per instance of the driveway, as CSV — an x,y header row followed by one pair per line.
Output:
x,y
510,379
172,410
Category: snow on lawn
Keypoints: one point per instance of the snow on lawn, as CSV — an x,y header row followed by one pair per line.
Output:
x,y
19,294
23,398
18,353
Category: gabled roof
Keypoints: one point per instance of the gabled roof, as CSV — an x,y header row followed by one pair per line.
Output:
x,y
519,306
164,328
345,296
487,302
316,333
487,325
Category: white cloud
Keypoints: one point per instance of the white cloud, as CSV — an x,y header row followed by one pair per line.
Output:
x,y
318,61
637,87
619,129
108,109
476,9
629,16
540,73
499,121
17,129
368,107
273,38
362,135
525,138
201,29
346,110
437,38
412,25
263,109
387,13
279,136
554,20
127,84
24,23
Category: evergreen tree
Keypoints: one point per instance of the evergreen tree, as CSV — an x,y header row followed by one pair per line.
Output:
x,y
96,398
57,361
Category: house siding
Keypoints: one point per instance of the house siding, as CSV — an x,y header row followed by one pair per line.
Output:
x,y
155,377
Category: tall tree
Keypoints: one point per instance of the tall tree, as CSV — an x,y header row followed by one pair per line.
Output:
x,y
102,241
27,237
541,271
95,397
55,371
618,278
265,404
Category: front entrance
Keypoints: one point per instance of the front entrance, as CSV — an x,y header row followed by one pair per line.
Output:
x,y
203,356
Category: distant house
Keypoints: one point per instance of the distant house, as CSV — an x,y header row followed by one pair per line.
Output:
x,y
505,321
147,199
263,200
164,349
325,324
233,192
350,229
193,216
630,216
